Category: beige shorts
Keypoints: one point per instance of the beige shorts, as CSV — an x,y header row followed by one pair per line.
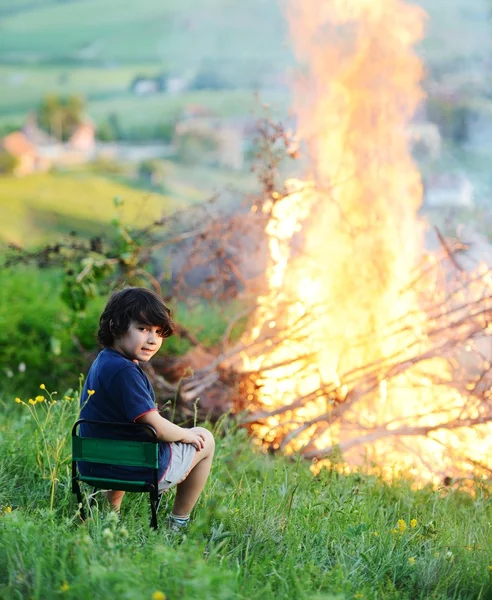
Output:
x,y
182,456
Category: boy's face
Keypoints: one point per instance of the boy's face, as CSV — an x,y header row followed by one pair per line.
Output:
x,y
140,342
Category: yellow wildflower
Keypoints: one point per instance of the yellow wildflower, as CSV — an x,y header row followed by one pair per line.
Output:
x,y
157,595
31,401
490,567
401,526
42,386
394,531
413,523
8,509
18,400
359,596
411,560
90,392
64,587
39,398
375,534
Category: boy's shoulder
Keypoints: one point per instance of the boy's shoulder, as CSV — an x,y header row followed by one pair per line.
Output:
x,y
111,362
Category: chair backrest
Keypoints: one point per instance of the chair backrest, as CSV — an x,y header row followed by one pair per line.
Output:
x,y
116,451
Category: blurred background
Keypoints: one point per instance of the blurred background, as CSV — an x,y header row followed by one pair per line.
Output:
x,y
156,104
164,97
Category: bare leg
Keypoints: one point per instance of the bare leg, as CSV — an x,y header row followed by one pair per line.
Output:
x,y
115,497
189,490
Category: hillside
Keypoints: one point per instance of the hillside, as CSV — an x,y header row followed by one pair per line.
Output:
x,y
151,31
59,46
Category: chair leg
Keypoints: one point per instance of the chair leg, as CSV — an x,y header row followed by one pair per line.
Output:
x,y
76,490
159,499
153,510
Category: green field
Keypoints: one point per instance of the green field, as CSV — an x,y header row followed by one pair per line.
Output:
x,y
264,529
41,207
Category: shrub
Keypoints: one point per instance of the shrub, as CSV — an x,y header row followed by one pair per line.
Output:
x,y
209,78
106,133
452,115
152,171
8,163
196,147
39,338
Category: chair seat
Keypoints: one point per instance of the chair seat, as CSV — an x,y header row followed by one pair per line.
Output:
x,y
116,484
113,450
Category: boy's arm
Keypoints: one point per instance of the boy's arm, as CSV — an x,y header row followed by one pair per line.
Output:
x,y
169,432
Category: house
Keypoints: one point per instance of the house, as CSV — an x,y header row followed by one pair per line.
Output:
x,y
83,138
231,135
28,159
448,189
145,86
162,82
176,85
35,134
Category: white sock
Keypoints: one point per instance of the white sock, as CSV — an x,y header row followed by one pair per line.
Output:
x,y
180,520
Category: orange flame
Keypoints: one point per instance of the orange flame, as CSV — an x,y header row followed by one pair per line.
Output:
x,y
341,257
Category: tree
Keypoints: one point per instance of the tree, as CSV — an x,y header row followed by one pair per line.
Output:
x,y
151,171
60,115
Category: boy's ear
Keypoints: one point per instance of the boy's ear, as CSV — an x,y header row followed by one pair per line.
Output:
x,y
111,326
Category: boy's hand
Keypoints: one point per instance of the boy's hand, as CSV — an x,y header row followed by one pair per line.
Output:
x,y
193,437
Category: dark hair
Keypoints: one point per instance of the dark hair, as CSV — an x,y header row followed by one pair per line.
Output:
x,y
133,304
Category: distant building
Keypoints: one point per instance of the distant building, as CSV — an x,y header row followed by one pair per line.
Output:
x,y
448,189
28,159
83,138
231,135
144,86
35,134
161,83
176,85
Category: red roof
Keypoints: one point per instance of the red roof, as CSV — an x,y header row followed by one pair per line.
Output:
x,y
17,144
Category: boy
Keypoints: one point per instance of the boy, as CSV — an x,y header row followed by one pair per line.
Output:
x,y
131,330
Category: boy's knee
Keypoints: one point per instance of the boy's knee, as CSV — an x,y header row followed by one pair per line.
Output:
x,y
208,436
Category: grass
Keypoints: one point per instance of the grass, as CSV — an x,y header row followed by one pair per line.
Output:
x,y
265,528
41,207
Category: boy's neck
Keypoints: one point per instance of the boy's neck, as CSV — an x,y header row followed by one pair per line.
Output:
x,y
121,354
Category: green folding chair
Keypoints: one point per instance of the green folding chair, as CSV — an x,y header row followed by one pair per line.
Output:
x,y
111,451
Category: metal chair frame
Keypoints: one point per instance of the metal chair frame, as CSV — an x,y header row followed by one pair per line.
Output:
x,y
119,452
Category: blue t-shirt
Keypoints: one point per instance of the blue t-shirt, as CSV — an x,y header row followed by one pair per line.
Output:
x,y
122,394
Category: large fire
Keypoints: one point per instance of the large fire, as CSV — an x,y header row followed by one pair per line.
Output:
x,y
352,351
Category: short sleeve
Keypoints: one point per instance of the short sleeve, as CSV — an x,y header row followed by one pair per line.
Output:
x,y
131,390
